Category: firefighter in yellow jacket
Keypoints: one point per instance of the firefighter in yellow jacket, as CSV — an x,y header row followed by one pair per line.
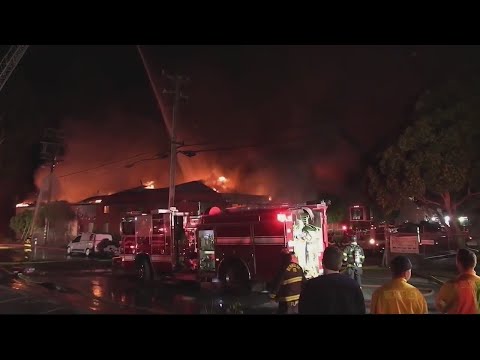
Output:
x,y
27,248
288,286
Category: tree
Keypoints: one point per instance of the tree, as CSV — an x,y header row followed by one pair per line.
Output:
x,y
337,208
20,223
59,214
436,161
56,212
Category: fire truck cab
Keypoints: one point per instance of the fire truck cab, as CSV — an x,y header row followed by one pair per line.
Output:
x,y
361,224
242,245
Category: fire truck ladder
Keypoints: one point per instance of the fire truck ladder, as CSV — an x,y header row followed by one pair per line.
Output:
x,y
10,62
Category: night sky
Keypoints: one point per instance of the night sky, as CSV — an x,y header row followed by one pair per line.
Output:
x,y
313,114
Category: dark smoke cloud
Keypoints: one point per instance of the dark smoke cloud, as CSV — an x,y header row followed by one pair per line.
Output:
x,y
97,141
326,105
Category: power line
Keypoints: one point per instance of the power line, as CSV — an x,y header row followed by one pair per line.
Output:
x,y
193,152
226,148
103,165
126,159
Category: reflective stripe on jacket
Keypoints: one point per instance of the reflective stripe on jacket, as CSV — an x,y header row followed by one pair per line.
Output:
x,y
290,284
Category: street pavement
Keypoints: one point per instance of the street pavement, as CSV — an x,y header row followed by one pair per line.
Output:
x,y
56,283
376,276
21,294
170,297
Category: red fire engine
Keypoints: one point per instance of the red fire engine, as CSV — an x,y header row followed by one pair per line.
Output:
x,y
241,245
157,243
361,224
235,246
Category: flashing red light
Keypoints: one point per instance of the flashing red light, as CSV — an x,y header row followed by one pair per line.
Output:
x,y
214,211
344,227
281,217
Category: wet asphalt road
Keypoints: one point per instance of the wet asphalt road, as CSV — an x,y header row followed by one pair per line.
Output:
x,y
88,286
77,285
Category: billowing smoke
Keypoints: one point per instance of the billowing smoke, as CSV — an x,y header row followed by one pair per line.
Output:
x,y
261,101
99,151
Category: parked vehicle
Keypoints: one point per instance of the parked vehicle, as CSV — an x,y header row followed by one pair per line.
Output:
x,y
88,243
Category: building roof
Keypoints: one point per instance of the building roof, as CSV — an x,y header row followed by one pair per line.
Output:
x,y
194,191
246,197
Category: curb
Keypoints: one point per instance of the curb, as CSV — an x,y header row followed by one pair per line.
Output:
x,y
20,245
430,277
53,262
31,262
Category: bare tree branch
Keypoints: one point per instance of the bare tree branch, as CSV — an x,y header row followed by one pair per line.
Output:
x,y
426,201
466,197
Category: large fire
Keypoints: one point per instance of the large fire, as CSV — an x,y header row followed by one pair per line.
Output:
x,y
117,178
214,174
86,172
220,184
149,185
20,205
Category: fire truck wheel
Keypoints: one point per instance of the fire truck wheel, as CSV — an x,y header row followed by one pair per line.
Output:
x,y
234,277
144,271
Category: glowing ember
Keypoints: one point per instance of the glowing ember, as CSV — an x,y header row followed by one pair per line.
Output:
x,y
222,179
22,205
150,185
269,198
215,189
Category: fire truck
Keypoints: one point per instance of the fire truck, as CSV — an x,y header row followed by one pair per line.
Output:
x,y
361,223
162,242
236,246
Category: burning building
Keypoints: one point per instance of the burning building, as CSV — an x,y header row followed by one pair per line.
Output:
x,y
104,213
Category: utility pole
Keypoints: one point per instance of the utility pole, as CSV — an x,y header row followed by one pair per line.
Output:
x,y
52,149
10,62
178,80
49,199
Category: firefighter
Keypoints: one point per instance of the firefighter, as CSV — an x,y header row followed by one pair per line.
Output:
x,y
288,286
354,256
27,248
311,258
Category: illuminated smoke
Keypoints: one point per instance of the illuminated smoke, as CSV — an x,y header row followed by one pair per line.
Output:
x,y
227,108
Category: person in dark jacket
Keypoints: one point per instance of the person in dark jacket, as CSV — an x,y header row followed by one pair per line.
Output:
x,y
354,256
288,285
332,293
